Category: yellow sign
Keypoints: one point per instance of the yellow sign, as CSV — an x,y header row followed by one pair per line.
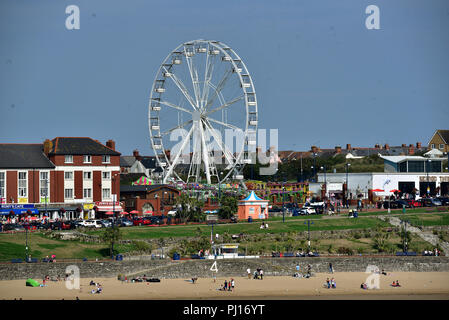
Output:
x,y
88,206
23,200
43,200
230,246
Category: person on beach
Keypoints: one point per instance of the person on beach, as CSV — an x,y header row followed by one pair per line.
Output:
x,y
232,284
383,272
225,285
249,273
328,283
331,269
333,284
261,274
229,286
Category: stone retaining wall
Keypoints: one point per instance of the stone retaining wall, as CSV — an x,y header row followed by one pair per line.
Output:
x,y
230,267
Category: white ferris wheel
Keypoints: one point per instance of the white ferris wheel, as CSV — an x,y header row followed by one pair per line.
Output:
x,y
202,95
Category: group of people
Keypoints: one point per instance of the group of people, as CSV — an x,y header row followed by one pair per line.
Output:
x,y
307,274
331,283
395,284
264,225
434,252
257,274
51,258
228,285
99,288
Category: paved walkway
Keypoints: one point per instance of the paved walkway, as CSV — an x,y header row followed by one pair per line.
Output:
x,y
426,236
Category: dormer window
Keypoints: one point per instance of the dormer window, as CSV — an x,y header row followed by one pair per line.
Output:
x,y
106,159
68,158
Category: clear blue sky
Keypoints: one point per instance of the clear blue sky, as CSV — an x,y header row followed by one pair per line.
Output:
x,y
321,77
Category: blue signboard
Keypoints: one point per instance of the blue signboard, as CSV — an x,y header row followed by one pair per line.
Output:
x,y
6,209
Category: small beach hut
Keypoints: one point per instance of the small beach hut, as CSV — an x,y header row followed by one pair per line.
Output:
x,y
254,207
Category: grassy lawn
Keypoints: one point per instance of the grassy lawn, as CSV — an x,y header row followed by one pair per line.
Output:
x,y
292,225
435,219
13,246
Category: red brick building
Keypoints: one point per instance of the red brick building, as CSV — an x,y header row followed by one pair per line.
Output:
x,y
65,175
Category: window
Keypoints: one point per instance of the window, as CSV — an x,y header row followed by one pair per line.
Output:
x,y
87,159
68,158
106,159
68,193
2,186
106,193
441,147
432,146
87,175
87,193
106,175
43,184
416,166
68,175
23,190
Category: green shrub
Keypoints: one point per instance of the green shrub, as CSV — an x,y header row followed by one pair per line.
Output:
x,y
141,246
345,250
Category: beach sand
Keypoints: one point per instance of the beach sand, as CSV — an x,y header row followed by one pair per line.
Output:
x,y
414,285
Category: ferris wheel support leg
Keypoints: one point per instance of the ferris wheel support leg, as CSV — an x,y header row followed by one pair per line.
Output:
x,y
205,153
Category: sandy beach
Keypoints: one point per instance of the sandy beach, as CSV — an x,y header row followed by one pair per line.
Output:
x,y
414,285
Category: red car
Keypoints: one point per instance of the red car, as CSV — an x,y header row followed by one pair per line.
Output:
x,y
141,221
414,203
29,226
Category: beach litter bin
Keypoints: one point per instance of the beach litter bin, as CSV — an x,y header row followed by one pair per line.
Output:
x,y
250,219
119,257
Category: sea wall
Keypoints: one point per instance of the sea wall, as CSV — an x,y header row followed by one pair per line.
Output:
x,y
229,267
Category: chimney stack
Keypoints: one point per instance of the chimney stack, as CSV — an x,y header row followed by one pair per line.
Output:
x,y
47,146
337,149
110,144
411,149
314,149
404,145
136,154
387,146
418,145
348,147
377,146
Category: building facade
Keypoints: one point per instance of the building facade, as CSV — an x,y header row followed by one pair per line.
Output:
x,y
63,177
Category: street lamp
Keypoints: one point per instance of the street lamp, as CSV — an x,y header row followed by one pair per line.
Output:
x,y
114,198
308,231
427,172
404,241
283,200
325,185
347,183
314,165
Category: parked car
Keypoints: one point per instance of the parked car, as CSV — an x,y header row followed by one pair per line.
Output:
x,y
398,204
106,223
444,200
414,203
307,210
91,223
123,222
140,221
430,202
29,226
13,227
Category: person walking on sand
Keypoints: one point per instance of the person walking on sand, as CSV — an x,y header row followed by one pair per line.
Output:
x,y
225,285
249,273
331,269
261,274
232,284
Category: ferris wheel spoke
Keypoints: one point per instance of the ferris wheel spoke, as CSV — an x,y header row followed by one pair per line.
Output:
x,y
227,104
169,104
207,77
205,154
218,89
178,154
224,124
182,125
194,76
228,154
183,89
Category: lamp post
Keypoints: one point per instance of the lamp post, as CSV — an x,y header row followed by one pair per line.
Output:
x,y
325,185
283,200
308,232
427,172
404,241
114,198
347,184
314,166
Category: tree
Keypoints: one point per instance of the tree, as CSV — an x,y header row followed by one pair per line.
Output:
x,y
110,236
228,207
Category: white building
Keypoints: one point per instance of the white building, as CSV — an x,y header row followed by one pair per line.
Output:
x,y
404,173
